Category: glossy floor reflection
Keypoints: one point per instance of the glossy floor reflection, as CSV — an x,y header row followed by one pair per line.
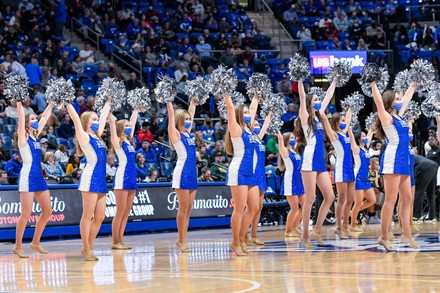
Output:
x,y
282,265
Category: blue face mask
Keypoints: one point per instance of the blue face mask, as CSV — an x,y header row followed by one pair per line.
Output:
x,y
94,126
365,140
127,131
187,124
317,106
257,130
292,142
34,124
247,119
411,136
342,126
398,105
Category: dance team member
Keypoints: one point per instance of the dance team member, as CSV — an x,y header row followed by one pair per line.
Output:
x,y
124,182
185,172
363,187
309,131
92,183
292,187
395,160
344,172
240,143
31,181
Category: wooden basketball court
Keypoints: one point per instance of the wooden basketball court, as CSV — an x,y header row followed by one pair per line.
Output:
x,y
282,265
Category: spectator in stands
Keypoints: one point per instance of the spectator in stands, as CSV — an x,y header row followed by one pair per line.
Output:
x,y
111,29
4,178
141,167
356,30
145,133
304,33
66,129
374,150
133,29
60,18
325,21
114,73
207,128
52,168
133,82
150,58
72,164
181,74
33,71
372,31
218,169
110,167
149,154
202,158
290,18
362,45
399,33
341,22
378,41
290,114
5,155
164,70
26,5
152,174
413,33
88,106
44,143
434,152
228,59
220,130
39,100
76,175
87,55
426,37
15,67
14,165
219,150
136,53
61,154
97,26
331,31
185,24
206,175
346,45
223,25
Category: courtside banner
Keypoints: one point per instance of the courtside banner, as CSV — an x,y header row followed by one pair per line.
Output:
x,y
150,203
320,61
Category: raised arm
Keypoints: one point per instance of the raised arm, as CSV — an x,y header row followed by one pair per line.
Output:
x,y
233,127
173,133
44,117
284,152
348,116
384,116
115,140
253,107
438,126
133,120
265,125
21,127
354,147
81,135
407,97
328,95
370,137
330,132
192,109
103,118
303,114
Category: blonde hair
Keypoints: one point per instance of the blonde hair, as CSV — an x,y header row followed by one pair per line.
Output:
x,y
85,117
286,142
47,155
239,110
179,120
26,128
120,126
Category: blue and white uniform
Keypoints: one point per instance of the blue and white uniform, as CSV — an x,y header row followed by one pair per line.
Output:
x,y
344,161
93,177
260,171
361,167
395,158
243,165
31,175
125,176
185,172
314,154
411,166
292,181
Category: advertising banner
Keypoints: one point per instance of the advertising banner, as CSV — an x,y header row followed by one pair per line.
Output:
x,y
320,61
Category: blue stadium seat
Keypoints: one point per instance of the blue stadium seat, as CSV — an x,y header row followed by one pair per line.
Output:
x,y
209,138
7,142
8,130
153,165
166,169
331,108
322,45
13,121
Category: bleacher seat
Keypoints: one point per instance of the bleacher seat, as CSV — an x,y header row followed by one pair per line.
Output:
x,y
153,165
13,121
166,169
8,130
7,142
322,45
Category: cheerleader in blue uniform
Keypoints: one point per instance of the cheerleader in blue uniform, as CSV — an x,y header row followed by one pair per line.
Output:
x,y
292,187
309,131
344,168
124,182
394,163
363,187
240,143
185,172
92,183
259,133
31,182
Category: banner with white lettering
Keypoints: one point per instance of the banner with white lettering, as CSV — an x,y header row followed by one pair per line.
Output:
x,y
321,61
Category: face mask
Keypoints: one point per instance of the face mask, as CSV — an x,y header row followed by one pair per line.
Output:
x,y
247,119
94,126
411,136
187,124
257,130
292,142
342,126
202,42
34,124
365,140
127,130
398,105
317,106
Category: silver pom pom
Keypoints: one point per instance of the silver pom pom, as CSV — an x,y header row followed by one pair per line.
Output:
x,y
412,111
423,73
222,82
237,99
370,122
355,101
402,81
299,68
16,88
259,83
430,108
60,92
342,70
112,89
276,103
196,89
166,90
372,72
139,98
317,91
